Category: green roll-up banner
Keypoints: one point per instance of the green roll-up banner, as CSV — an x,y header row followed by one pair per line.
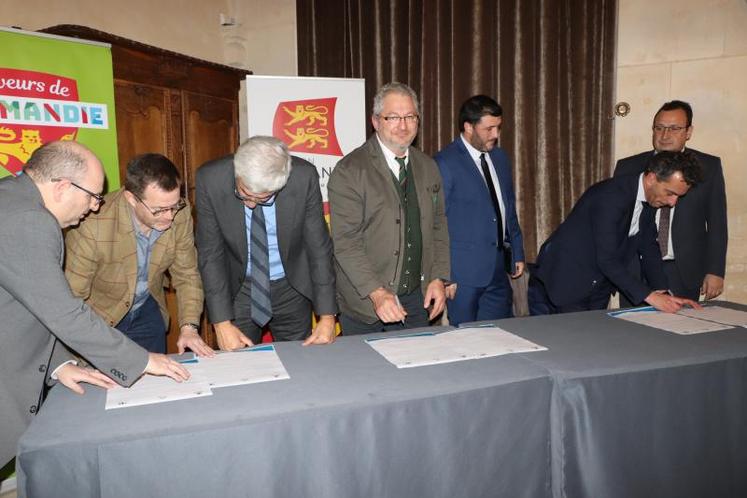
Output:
x,y
55,88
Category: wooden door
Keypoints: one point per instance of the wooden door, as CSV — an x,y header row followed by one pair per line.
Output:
x,y
148,120
179,106
210,131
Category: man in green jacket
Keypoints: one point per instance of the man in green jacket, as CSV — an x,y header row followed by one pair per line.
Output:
x,y
391,243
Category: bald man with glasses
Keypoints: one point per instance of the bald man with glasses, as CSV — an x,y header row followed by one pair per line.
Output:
x,y
41,319
117,258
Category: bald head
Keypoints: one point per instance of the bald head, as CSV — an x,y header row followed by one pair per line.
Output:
x,y
61,159
67,175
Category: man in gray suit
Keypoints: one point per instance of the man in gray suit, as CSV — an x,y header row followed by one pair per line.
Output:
x,y
62,182
263,248
388,224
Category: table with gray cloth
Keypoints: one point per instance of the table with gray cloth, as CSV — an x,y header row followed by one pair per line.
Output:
x,y
346,424
641,412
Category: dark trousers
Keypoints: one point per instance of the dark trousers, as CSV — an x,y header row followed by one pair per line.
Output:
x,y
674,283
417,316
483,303
145,326
291,313
540,303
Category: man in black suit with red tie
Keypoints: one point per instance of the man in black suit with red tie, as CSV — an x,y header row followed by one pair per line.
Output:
x,y
693,235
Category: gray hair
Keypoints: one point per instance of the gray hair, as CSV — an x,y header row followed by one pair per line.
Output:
x,y
393,87
60,159
262,164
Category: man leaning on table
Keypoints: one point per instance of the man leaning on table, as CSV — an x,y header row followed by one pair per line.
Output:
x,y
693,235
586,257
117,258
263,247
60,184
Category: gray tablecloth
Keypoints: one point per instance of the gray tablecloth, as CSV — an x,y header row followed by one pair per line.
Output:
x,y
613,409
347,424
641,412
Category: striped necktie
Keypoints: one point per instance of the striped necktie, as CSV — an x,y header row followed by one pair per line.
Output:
x,y
663,233
260,271
402,172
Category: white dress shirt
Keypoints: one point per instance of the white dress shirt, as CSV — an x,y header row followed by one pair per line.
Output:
x,y
640,198
391,158
475,154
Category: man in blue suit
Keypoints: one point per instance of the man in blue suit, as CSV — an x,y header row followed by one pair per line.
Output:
x,y
486,241
587,256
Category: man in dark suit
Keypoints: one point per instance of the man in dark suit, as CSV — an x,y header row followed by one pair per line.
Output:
x,y
388,224
582,262
62,182
693,235
263,248
484,234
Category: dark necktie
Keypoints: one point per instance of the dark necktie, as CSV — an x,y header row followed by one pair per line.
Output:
x,y
663,237
493,197
260,271
402,172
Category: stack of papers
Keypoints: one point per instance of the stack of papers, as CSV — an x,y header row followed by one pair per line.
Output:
x,y
686,321
248,366
417,350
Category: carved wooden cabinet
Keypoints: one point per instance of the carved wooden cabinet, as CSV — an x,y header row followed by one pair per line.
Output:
x,y
182,107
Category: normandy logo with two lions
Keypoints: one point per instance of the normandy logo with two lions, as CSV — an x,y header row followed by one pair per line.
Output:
x,y
307,126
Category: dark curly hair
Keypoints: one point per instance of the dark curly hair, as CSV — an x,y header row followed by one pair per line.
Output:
x,y
665,163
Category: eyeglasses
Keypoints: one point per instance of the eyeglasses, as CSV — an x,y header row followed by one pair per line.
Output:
x,y
395,120
670,129
159,211
97,197
259,201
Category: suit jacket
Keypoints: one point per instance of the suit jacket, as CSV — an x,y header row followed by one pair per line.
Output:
x,y
37,308
588,252
471,216
303,238
699,228
367,230
101,263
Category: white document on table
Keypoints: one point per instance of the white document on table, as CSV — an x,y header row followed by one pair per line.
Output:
x,y
155,389
427,348
246,366
671,322
718,314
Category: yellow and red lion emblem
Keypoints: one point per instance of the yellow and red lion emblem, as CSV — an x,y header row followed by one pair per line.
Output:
x,y
307,126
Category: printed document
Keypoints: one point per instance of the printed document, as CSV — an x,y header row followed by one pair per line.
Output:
x,y
677,323
427,348
246,366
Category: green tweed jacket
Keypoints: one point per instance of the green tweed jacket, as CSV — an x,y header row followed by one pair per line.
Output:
x,y
101,263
